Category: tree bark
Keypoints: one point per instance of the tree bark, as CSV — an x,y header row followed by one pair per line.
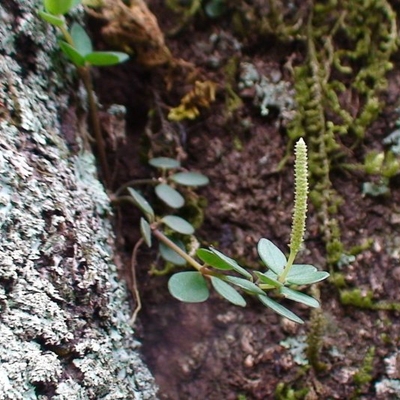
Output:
x,y
64,331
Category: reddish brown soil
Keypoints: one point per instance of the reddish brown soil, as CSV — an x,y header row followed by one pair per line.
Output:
x,y
214,350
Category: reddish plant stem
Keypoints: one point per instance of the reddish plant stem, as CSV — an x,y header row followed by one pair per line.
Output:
x,y
85,75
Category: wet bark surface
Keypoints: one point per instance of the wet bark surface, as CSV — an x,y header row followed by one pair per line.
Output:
x,y
64,329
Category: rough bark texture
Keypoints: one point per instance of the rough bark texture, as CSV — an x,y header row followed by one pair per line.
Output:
x,y
63,312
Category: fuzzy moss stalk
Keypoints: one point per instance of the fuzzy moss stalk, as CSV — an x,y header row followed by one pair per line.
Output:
x,y
300,204
315,338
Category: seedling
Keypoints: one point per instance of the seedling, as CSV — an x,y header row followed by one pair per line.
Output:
x,y
165,187
221,272
77,46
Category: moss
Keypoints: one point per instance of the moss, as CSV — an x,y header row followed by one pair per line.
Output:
x,y
358,249
315,337
237,143
166,270
194,208
365,374
369,31
285,392
338,280
281,21
232,101
356,298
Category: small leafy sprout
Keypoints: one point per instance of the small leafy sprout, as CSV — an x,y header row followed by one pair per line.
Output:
x,y
77,46
226,276
165,189
171,228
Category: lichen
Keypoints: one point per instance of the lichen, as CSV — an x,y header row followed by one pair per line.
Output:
x,y
64,328
296,347
269,91
390,384
393,140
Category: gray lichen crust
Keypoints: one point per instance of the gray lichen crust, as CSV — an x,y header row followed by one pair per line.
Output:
x,y
64,331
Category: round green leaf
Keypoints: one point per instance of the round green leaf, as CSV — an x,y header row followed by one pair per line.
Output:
x,y
82,41
244,284
190,287
58,7
190,179
72,53
52,19
178,224
169,196
305,275
211,259
279,309
235,266
299,269
145,231
105,58
142,203
215,8
271,256
164,163
228,292
170,255
299,297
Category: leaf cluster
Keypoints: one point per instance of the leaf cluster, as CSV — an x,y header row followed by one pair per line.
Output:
x,y
165,189
224,274
77,45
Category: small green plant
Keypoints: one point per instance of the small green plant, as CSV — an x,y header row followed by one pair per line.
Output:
x,y
221,272
78,47
384,165
165,185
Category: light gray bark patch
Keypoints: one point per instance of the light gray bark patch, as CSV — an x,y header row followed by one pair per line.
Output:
x,y
64,331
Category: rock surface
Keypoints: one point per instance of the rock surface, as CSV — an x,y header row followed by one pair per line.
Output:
x,y
64,331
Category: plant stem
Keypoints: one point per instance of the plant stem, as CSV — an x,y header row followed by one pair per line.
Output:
x,y
84,73
135,182
283,275
160,236
67,36
135,290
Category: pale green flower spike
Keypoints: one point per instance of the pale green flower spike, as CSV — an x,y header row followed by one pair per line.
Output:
x,y
300,197
300,204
